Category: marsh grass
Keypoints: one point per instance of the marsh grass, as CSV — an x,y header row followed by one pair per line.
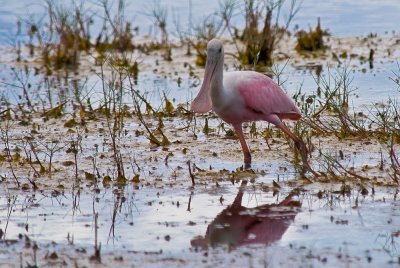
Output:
x,y
384,120
394,162
396,78
114,109
263,28
60,43
120,37
332,166
67,32
5,137
206,30
159,14
328,112
311,40
62,38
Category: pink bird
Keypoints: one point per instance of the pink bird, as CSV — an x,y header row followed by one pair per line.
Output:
x,y
242,96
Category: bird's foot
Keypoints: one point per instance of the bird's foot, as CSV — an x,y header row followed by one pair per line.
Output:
x,y
247,165
303,153
247,161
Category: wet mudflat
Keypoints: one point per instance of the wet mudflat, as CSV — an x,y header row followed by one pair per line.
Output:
x,y
103,164
160,217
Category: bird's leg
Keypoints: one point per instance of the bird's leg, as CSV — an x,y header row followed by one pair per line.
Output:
x,y
300,146
238,199
246,151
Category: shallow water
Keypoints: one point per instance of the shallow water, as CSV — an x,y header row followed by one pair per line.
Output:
x,y
159,220
367,88
342,18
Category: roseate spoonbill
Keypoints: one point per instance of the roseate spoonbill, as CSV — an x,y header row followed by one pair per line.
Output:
x,y
241,96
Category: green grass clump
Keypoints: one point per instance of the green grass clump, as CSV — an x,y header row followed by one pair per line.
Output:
x,y
312,40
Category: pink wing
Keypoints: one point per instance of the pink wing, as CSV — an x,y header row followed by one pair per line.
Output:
x,y
262,94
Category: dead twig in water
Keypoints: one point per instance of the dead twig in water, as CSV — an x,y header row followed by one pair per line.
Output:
x,y
191,174
395,163
52,148
29,140
10,208
97,246
4,135
190,201
28,155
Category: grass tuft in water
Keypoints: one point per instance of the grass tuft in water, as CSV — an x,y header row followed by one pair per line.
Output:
x,y
311,40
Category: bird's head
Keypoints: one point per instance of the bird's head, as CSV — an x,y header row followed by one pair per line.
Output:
x,y
214,66
215,52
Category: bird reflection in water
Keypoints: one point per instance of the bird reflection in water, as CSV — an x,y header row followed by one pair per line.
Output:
x,y
237,225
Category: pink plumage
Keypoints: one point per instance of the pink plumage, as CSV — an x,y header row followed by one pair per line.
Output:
x,y
244,96
263,96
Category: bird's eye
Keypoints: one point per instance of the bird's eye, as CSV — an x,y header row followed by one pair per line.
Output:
x,y
220,50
